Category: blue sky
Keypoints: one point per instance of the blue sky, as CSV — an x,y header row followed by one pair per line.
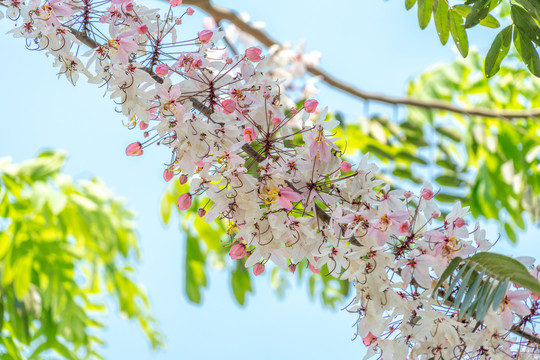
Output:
x,y
374,44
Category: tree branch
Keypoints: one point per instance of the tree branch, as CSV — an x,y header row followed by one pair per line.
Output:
x,y
220,14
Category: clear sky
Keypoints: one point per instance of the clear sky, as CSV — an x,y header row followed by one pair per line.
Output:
x,y
374,44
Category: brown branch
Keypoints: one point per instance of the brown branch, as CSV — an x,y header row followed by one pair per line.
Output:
x,y
220,14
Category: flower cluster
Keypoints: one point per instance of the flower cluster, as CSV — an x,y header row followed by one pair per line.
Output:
x,y
274,172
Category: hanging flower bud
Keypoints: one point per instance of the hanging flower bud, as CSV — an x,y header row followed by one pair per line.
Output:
x,y
190,11
345,166
175,3
369,339
201,212
258,269
184,201
427,194
142,29
228,106
143,125
292,268
162,70
310,105
238,251
276,120
254,54
168,175
205,36
134,149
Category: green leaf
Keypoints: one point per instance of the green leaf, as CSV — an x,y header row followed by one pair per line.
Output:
x,y
527,52
447,272
489,21
458,32
195,276
526,23
532,7
498,51
441,21
240,282
504,267
471,292
510,233
409,4
425,7
478,12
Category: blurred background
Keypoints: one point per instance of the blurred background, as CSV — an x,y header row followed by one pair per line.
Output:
x,y
375,45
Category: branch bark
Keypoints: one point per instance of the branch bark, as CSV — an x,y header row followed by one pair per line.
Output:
x,y
220,14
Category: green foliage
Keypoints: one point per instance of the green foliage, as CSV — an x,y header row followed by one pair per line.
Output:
x,y
524,18
481,281
63,245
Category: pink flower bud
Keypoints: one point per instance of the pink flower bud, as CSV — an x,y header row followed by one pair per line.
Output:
x,y
184,201
292,268
178,21
313,269
276,120
459,222
103,19
175,3
404,227
134,149
408,194
369,339
435,215
427,194
201,212
183,179
142,29
249,134
143,125
254,54
205,36
238,251
128,7
258,269
345,166
310,105
168,175
228,106
162,70
190,11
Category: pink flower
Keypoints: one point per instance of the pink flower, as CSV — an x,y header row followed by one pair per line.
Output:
x,y
162,70
345,166
124,44
249,134
175,3
168,175
182,179
142,29
205,36
228,106
184,201
134,149
238,251
427,194
285,196
513,302
190,11
310,105
258,269
254,54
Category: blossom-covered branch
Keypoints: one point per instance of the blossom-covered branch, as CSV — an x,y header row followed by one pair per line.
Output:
x,y
220,13
273,172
